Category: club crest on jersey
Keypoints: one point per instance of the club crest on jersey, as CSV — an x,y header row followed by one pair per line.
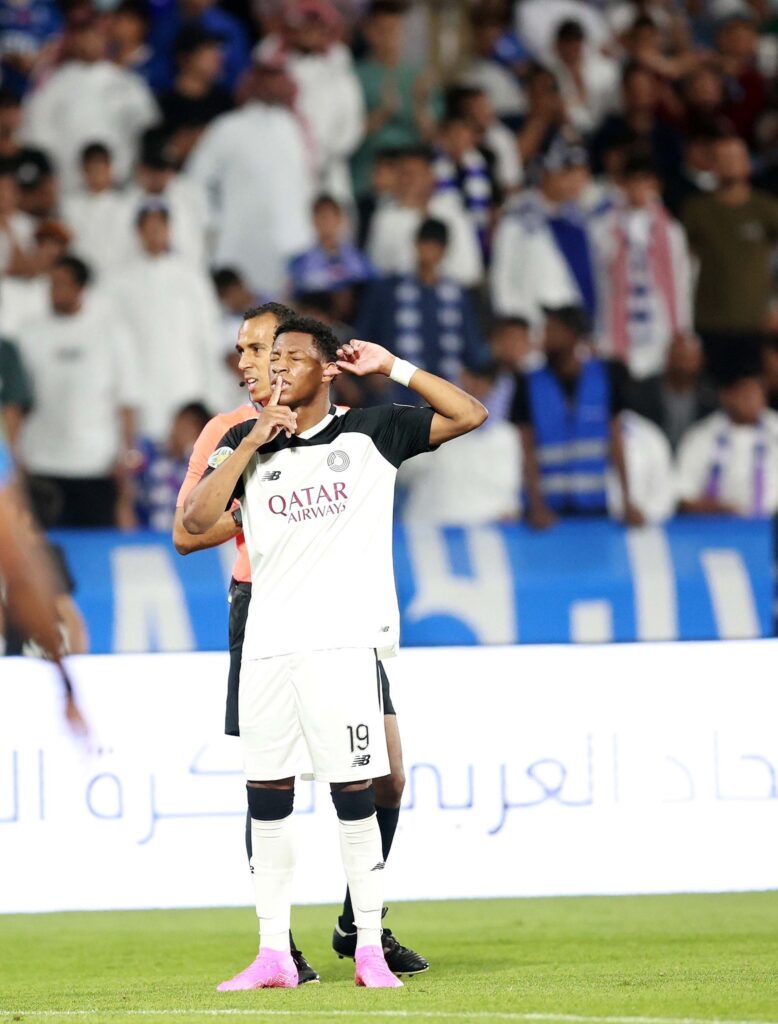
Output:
x,y
219,456
338,462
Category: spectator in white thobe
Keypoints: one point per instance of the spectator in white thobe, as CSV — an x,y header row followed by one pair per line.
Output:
x,y
158,181
16,228
86,384
26,299
542,256
391,243
173,316
255,166
88,99
648,460
728,462
96,213
473,481
644,275
589,82
329,98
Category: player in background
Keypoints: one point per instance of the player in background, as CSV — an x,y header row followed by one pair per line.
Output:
x,y
316,490
28,578
255,341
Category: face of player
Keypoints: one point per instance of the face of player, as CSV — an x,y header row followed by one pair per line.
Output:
x,y
255,342
744,401
297,361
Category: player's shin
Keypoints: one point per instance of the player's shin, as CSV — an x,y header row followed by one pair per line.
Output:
x,y
272,862
360,846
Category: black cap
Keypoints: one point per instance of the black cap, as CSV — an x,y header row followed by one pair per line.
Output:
x,y
192,37
574,318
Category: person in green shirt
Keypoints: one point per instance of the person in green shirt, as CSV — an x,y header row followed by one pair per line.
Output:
x,y
733,232
15,390
402,103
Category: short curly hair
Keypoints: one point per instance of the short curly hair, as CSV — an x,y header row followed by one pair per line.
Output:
x,y
325,340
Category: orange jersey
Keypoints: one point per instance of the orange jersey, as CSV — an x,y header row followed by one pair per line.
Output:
x,y
205,445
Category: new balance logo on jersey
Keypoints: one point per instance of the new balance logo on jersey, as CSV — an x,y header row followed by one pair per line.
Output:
x,y
361,760
272,474
379,866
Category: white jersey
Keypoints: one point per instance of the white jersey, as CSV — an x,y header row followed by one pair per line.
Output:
x,y
317,518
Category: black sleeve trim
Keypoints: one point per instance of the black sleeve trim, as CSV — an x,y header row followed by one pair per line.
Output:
x,y
398,431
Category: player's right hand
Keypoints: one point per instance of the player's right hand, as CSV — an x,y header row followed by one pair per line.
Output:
x,y
273,419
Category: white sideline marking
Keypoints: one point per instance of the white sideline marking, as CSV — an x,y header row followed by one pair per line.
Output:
x,y
565,1018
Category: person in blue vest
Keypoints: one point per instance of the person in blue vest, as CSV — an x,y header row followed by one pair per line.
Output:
x,y
425,316
567,413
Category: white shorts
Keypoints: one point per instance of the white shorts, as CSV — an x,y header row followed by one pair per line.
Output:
x,y
320,708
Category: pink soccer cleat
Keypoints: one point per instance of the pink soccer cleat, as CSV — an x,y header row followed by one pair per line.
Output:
x,y
271,969
372,970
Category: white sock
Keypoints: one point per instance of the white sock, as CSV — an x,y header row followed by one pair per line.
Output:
x,y
360,848
273,863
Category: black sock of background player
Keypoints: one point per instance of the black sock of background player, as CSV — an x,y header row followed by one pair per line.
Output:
x,y
292,943
387,823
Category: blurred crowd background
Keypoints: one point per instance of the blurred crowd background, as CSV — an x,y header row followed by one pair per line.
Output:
x,y
567,207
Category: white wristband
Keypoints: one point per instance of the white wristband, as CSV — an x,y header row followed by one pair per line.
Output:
x,y
402,371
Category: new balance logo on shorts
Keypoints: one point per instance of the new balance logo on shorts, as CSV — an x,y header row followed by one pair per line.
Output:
x,y
360,761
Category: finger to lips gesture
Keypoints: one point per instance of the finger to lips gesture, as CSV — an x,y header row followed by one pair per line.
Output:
x,y
274,418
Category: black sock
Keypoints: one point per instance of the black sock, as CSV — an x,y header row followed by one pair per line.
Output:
x,y
387,823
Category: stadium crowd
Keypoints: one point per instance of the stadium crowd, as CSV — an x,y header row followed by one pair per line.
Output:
x,y
568,207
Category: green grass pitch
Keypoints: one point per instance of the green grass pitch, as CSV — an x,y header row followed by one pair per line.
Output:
x,y
633,960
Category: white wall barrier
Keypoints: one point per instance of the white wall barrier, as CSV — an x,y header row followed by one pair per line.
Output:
x,y
531,771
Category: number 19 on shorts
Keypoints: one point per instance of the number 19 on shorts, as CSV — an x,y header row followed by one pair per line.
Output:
x,y
359,741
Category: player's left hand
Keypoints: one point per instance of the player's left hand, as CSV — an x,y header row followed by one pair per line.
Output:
x,y
362,358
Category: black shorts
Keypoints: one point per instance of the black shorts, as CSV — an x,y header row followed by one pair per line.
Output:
x,y
240,596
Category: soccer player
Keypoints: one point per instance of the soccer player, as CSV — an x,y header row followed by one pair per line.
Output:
x,y
255,341
316,492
